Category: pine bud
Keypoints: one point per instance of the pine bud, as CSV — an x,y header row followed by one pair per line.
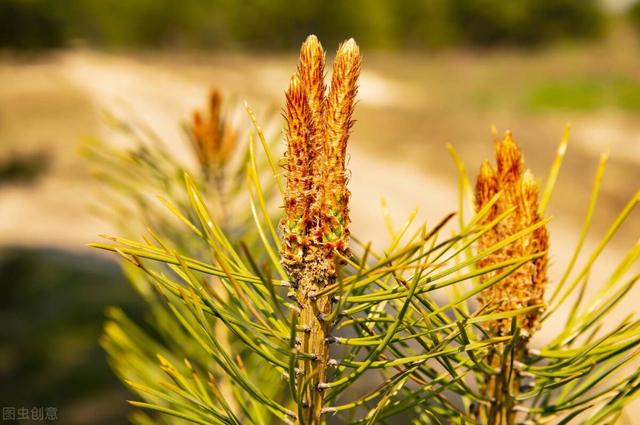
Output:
x,y
213,139
525,287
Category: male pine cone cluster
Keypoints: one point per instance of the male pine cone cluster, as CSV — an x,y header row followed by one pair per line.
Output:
x,y
317,129
524,287
212,137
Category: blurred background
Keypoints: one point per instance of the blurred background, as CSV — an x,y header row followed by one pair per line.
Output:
x,y
435,72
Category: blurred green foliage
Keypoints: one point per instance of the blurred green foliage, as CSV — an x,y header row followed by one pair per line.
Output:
x,y
528,22
52,311
26,25
22,167
586,94
280,24
634,15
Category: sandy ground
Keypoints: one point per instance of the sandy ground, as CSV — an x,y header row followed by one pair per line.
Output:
x,y
40,215
35,215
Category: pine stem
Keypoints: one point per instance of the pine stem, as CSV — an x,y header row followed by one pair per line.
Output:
x,y
315,369
502,389
316,330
